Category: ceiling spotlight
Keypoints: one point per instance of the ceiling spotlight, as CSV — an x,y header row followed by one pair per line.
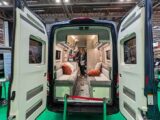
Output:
x,y
122,0
5,3
40,10
93,36
58,1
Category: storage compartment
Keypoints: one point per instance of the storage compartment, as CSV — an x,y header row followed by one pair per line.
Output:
x,y
100,92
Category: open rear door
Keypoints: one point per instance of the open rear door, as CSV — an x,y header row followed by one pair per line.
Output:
x,y
135,57
29,66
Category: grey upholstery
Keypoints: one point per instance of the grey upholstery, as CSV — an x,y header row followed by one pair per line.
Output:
x,y
64,82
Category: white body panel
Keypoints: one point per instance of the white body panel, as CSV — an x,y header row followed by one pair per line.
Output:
x,y
132,81
29,80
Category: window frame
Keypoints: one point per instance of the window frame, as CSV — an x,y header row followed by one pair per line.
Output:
x,y
43,53
122,42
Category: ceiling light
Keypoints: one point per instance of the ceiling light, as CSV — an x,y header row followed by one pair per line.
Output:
x,y
122,0
0,3
66,1
5,3
93,36
76,40
58,1
40,10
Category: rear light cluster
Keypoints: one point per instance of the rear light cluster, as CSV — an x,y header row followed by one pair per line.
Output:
x,y
117,86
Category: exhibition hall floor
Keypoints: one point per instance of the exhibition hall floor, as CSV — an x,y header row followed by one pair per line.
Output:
x,y
57,116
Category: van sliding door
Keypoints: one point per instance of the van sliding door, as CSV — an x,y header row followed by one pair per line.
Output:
x,y
29,66
135,57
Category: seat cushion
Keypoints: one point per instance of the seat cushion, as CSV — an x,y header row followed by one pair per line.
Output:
x,y
102,77
105,72
100,81
89,78
59,72
65,77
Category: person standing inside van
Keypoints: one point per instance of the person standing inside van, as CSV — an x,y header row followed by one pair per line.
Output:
x,y
82,61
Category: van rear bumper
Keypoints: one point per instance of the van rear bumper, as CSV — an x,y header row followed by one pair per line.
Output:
x,y
84,108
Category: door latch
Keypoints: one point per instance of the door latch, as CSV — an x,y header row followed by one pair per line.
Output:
x,y
120,75
13,95
12,117
45,74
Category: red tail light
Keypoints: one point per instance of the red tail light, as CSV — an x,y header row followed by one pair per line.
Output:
x,y
48,77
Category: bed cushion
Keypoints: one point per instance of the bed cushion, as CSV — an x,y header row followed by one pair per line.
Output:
x,y
59,72
71,66
105,72
66,69
94,72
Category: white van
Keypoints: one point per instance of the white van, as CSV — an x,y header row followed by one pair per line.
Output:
x,y
126,61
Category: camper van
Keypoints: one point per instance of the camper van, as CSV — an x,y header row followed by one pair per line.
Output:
x,y
86,58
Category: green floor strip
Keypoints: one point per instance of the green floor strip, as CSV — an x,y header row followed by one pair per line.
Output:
x,y
65,108
104,110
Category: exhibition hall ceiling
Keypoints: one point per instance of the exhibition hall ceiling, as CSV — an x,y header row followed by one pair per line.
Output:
x,y
58,10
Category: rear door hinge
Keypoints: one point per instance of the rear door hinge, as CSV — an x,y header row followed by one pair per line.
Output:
x,y
143,111
12,117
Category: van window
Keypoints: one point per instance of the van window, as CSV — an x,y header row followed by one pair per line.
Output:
x,y
35,51
130,51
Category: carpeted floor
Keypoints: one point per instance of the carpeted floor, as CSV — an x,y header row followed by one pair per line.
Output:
x,y
82,87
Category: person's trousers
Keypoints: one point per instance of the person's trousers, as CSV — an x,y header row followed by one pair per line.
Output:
x,y
82,69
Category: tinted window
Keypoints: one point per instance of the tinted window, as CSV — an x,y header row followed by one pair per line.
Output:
x,y
130,51
35,51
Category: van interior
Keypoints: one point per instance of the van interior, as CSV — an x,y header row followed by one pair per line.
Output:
x,y
93,78
96,42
